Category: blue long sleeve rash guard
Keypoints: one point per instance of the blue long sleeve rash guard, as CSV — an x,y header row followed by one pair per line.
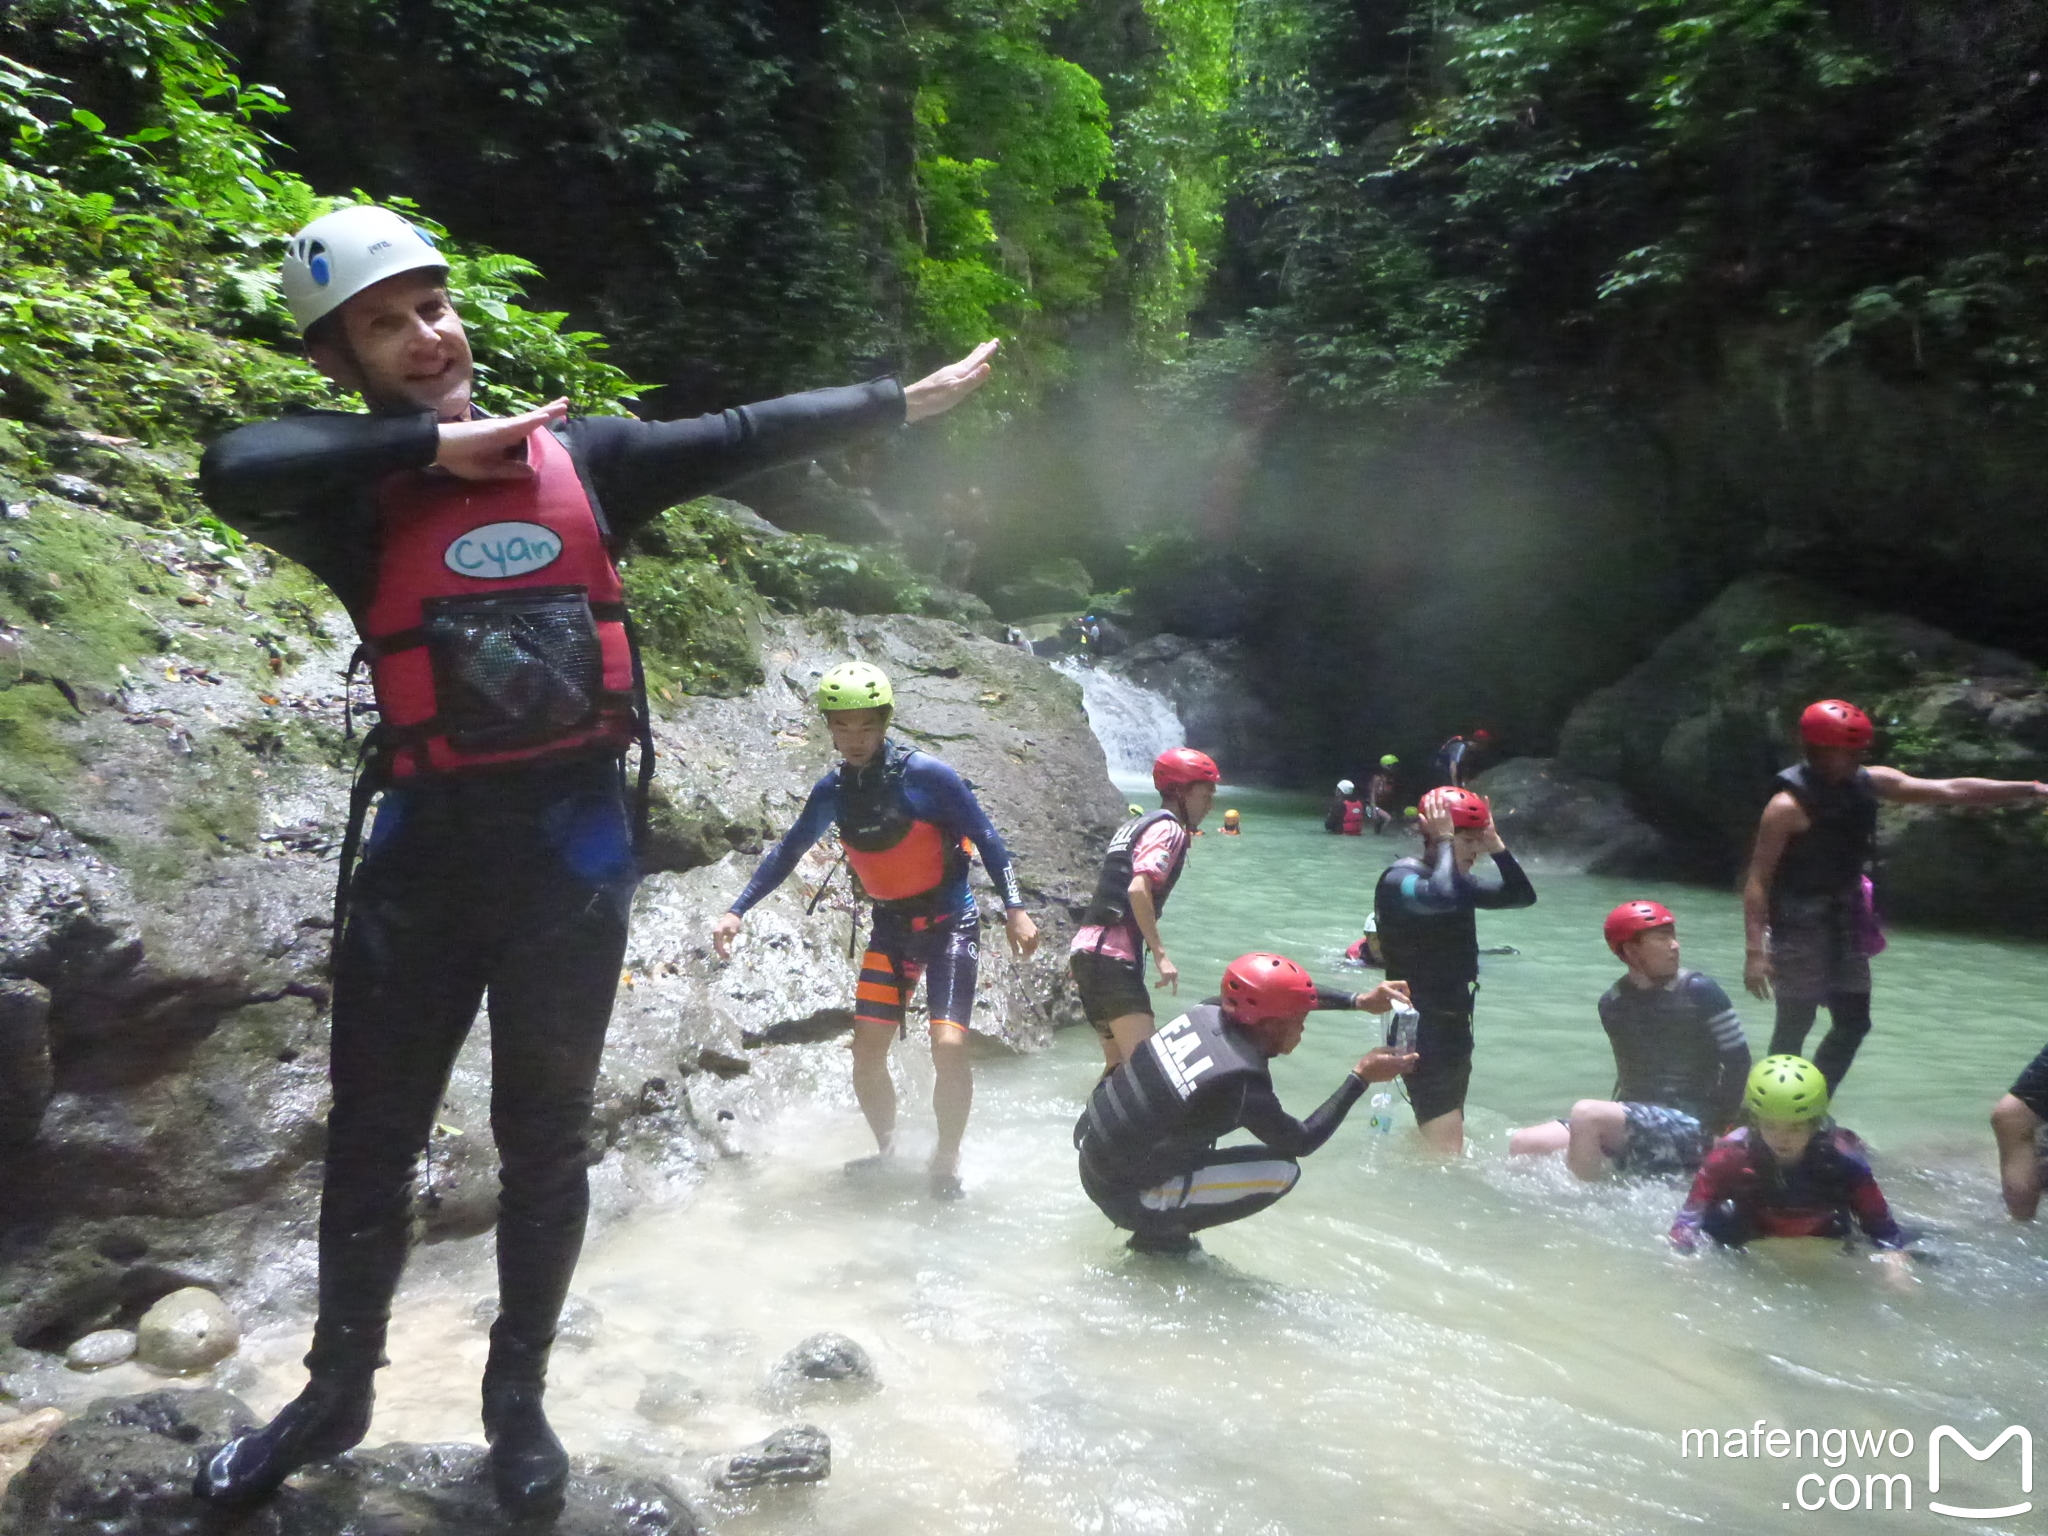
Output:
x,y
935,793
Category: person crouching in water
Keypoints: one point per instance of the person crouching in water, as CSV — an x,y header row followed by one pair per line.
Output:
x,y
1789,1172
901,815
1139,870
1680,1062
1148,1138
1426,930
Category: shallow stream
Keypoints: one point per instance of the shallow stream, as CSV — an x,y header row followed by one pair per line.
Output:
x,y
1401,1345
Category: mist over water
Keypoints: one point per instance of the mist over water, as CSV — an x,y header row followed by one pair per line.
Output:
x,y
1399,1346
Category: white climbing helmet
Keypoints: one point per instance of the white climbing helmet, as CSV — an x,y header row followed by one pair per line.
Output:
x,y
1345,786
339,254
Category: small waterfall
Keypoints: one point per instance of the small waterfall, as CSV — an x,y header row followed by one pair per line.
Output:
x,y
1133,724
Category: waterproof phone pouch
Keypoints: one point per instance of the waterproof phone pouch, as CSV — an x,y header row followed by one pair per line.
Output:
x,y
514,670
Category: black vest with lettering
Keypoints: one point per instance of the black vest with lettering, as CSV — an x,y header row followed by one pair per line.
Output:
x,y
874,813
1830,858
1182,1088
1436,953
1112,901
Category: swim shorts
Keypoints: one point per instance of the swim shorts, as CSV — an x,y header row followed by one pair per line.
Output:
x,y
944,951
1109,988
1813,953
1443,1041
1661,1140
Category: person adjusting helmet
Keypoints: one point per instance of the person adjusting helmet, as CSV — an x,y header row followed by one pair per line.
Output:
x,y
475,558
340,254
1809,910
1632,918
1266,989
1147,1141
1139,870
1177,767
1786,1088
1429,935
855,685
905,820
1835,723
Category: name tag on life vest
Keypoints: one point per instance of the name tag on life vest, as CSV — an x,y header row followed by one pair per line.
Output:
x,y
499,551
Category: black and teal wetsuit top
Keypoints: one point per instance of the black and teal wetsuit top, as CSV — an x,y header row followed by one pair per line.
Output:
x,y
1426,927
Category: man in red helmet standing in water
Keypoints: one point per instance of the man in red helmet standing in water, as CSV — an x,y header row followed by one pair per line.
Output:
x,y
1806,910
477,559
1139,870
1680,1062
1147,1140
1427,932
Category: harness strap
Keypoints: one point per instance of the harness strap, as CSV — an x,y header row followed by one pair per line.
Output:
x,y
372,776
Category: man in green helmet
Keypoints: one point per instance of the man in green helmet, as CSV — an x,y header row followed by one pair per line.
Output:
x,y
905,819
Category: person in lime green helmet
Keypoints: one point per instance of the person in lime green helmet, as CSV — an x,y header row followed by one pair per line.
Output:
x,y
905,819
1788,1171
1378,789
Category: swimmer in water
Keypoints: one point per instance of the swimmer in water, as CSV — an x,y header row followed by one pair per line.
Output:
x,y
1231,828
1366,951
1789,1171
1680,1062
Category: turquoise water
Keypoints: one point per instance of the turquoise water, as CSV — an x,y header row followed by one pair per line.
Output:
x,y
1401,1345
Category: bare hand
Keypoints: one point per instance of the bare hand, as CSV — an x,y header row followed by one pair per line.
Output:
x,y
1382,1064
937,393
495,448
1435,817
1490,839
1387,995
1757,975
1898,1268
723,932
1169,974
1023,932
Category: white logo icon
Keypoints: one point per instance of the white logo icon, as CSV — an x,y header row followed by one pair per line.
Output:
x,y
1944,1432
501,550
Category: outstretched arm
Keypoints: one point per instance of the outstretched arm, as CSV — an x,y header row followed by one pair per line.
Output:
x,y
1903,789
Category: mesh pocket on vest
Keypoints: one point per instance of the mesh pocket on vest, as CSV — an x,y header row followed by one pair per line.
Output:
x,y
516,669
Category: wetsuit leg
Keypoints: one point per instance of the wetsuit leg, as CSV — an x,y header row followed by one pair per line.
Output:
x,y
952,968
1794,1022
1848,1023
407,986
1224,1186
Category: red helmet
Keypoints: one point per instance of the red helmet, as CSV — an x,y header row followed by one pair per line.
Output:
x,y
1835,723
1482,735
1183,765
1258,989
1632,918
1469,811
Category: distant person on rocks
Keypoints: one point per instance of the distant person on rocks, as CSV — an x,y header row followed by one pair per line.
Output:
x,y
1378,789
1788,1172
1147,1140
1425,906
1806,905
476,557
1346,814
904,819
1139,870
1456,758
1680,1062
2017,1121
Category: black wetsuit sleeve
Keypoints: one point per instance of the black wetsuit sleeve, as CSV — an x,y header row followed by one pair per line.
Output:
x,y
270,468
640,468
1731,1047
1514,889
1266,1119
1333,997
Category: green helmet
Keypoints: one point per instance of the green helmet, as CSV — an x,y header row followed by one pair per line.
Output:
x,y
1390,761
855,685
1786,1088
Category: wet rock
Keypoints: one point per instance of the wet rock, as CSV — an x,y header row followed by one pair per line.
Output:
x,y
75,488
125,1468
824,1024
25,1074
802,1453
722,1064
96,1351
1544,809
826,1360
22,1437
580,1324
1211,687
670,1399
188,1331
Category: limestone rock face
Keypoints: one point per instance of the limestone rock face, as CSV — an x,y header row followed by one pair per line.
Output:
x,y
1543,809
1212,689
125,1468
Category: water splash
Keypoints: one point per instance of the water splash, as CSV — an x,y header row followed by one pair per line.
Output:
x,y
1133,724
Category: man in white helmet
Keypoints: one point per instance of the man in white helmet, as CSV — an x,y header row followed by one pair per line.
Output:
x,y
477,559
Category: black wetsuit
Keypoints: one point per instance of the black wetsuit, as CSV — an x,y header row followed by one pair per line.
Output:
x,y
1430,940
1679,1045
1815,895
1148,1138
512,885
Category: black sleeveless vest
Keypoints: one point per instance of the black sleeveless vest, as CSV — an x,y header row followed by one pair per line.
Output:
x,y
1832,855
1111,904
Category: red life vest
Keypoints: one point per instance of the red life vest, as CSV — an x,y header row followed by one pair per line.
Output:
x,y
1354,818
498,631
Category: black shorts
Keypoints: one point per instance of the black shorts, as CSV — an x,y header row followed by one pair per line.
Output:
x,y
1110,988
1443,1039
943,952
2032,1088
